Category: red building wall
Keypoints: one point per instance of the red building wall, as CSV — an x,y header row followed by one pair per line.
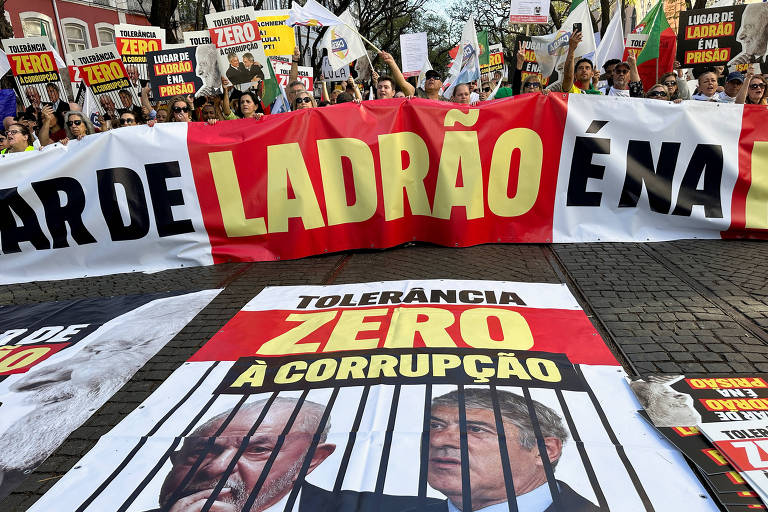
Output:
x,y
88,13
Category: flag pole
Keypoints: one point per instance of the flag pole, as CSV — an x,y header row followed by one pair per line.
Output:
x,y
353,29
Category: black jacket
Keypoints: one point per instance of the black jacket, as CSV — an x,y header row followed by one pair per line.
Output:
x,y
570,501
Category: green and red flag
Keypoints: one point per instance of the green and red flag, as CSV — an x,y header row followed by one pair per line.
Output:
x,y
658,55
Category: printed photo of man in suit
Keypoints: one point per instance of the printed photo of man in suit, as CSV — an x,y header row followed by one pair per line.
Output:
x,y
488,488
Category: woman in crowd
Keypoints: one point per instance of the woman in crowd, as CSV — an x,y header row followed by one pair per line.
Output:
x,y
754,91
127,118
658,92
162,115
303,100
461,94
77,125
180,110
676,86
18,139
532,83
249,106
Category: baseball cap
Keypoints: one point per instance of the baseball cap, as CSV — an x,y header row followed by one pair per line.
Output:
x,y
432,74
735,75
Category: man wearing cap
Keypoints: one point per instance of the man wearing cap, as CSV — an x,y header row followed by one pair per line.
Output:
x,y
626,80
733,83
432,87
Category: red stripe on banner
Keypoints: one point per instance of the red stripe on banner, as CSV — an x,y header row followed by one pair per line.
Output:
x,y
245,153
745,454
753,149
333,330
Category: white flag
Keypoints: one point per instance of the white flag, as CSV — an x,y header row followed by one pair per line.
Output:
x,y
466,65
5,66
312,15
612,44
492,96
551,49
90,107
281,103
59,61
422,80
343,42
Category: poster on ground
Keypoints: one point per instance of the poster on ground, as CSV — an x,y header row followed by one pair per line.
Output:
x,y
237,39
104,73
133,43
734,36
183,71
61,361
392,396
34,70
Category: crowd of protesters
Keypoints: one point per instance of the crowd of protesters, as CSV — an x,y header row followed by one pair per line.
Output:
x,y
58,121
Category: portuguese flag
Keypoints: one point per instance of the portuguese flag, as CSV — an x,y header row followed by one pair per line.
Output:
x,y
658,55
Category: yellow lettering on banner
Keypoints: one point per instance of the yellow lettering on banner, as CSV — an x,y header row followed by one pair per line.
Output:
x,y
531,150
395,179
351,322
289,373
288,342
516,334
253,376
405,324
331,153
460,149
443,362
22,358
285,163
231,199
757,196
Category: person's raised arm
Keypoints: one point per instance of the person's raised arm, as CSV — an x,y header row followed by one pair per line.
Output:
x,y
293,75
45,129
407,88
517,76
351,83
568,70
324,93
741,96
225,103
634,76
145,98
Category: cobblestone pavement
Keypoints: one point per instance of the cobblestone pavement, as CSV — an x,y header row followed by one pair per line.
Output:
x,y
684,306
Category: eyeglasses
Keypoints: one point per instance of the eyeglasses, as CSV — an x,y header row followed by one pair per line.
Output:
x,y
305,99
670,84
621,71
176,110
533,85
125,120
12,132
757,86
657,94
76,122
486,89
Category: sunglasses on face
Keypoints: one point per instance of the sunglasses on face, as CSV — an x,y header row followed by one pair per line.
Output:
x,y
657,94
670,84
486,89
433,78
533,85
305,99
76,122
126,121
621,71
757,86
180,109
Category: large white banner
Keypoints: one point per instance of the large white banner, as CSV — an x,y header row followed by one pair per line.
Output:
x,y
589,169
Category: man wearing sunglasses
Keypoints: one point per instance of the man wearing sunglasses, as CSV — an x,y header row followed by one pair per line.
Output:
x,y
432,85
626,80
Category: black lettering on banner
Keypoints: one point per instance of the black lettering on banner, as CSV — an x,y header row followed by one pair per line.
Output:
x,y
707,159
640,170
582,169
58,215
11,234
138,227
163,199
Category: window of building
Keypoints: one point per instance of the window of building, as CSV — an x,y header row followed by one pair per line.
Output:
x,y
76,37
36,27
106,36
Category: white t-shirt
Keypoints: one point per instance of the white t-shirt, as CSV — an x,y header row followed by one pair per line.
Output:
x,y
618,92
